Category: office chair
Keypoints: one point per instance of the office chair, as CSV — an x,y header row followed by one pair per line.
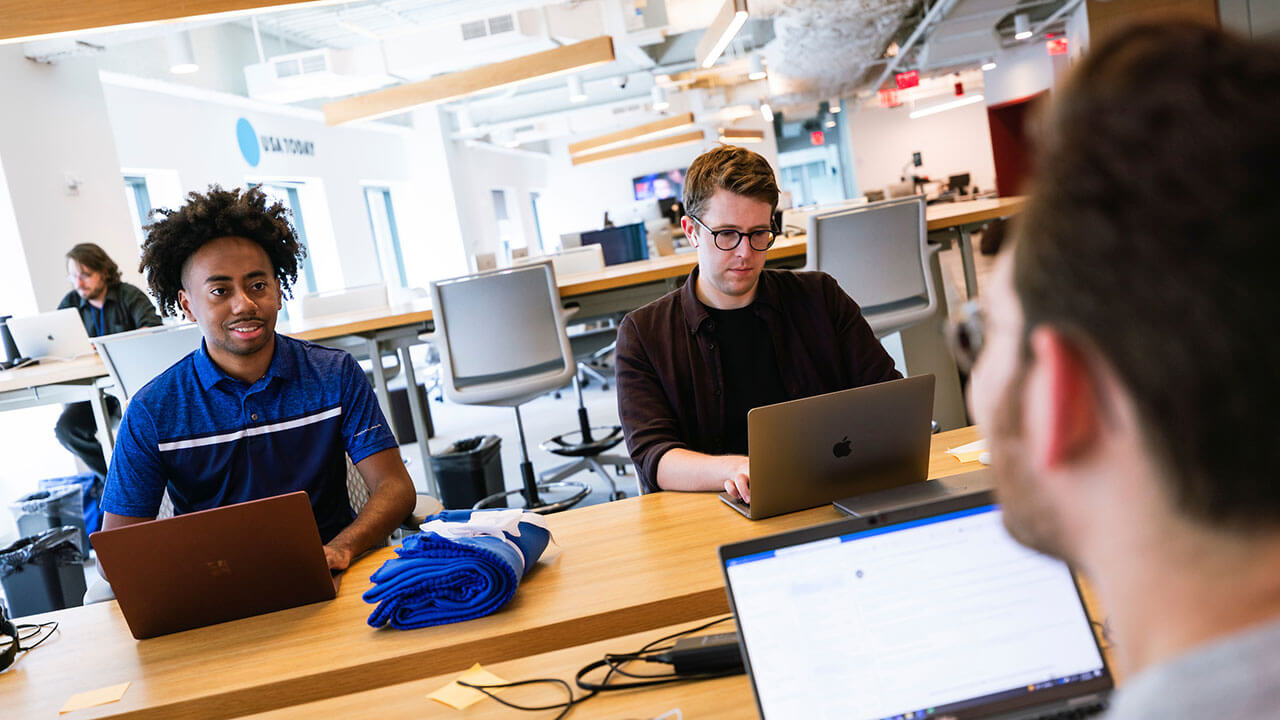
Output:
x,y
588,445
503,342
135,358
880,255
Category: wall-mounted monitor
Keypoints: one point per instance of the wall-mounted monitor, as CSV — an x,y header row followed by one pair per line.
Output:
x,y
669,184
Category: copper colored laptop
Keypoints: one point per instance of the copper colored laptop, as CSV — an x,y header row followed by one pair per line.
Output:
x,y
216,565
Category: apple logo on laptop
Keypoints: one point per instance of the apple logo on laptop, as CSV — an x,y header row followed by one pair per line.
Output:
x,y
842,448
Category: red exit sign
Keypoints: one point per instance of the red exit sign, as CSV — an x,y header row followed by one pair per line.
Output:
x,y
1057,46
817,137
908,79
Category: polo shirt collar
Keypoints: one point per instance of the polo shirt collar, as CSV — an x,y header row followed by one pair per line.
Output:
x,y
284,364
695,313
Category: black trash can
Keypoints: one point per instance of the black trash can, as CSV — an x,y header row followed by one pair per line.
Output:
x,y
44,572
468,471
51,508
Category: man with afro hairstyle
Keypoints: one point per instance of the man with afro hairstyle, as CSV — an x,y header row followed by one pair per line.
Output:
x,y
250,414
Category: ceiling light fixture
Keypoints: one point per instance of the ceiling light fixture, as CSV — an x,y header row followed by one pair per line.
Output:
x,y
988,66
442,88
182,57
950,105
657,127
1021,26
659,97
766,112
730,19
756,67
833,105
666,142
576,93
741,135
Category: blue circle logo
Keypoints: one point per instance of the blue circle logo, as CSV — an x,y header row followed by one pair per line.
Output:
x,y
248,140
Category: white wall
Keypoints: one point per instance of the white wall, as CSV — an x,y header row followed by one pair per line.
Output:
x,y
1021,71
950,142
194,133
482,169
54,122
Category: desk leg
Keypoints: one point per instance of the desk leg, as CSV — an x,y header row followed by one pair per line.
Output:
x,y
380,384
106,438
419,411
966,259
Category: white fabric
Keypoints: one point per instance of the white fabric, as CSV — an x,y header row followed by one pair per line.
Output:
x,y
488,523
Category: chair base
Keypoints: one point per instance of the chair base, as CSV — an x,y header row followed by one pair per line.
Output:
x,y
581,491
594,463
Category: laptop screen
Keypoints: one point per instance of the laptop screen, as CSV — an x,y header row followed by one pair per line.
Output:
x,y
920,618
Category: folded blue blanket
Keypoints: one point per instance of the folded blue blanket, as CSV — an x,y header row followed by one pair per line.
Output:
x,y
464,564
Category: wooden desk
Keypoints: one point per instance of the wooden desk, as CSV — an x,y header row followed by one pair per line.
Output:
x,y
623,567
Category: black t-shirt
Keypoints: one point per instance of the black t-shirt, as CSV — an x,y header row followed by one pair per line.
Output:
x,y
750,366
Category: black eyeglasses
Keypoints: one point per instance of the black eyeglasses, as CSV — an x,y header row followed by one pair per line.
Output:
x,y
758,240
966,335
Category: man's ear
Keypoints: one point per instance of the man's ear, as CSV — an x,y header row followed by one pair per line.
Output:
x,y
1062,407
184,302
687,224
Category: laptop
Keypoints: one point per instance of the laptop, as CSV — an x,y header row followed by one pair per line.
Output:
x,y
917,493
927,612
809,452
212,566
57,335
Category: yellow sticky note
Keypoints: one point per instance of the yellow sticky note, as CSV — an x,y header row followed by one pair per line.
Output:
x,y
94,698
459,697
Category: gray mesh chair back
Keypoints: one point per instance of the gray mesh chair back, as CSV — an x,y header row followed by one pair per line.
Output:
x,y
504,335
134,358
504,343
879,253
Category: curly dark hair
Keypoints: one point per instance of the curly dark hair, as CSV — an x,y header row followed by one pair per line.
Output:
x,y
216,214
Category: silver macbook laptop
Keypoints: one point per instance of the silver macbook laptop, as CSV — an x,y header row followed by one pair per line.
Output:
x,y
57,335
216,565
809,452
929,612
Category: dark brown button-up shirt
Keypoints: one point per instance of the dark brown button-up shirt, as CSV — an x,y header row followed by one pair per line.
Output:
x,y
670,384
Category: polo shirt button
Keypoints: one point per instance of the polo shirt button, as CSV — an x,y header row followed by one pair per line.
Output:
x,y
253,416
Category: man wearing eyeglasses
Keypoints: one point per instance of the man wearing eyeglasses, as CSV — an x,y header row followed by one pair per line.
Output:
x,y
1127,375
691,364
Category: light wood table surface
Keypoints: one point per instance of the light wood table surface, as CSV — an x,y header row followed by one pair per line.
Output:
x,y
619,568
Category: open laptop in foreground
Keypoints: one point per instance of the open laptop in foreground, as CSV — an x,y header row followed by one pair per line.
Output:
x,y
926,612
809,452
216,565
57,335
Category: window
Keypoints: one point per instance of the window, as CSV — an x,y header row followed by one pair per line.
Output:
x,y
287,195
534,197
386,237
139,200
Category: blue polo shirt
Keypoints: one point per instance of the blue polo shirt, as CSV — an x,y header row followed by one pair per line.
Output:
x,y
213,440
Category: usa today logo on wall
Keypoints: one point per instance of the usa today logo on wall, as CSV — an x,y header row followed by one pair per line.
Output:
x,y
253,145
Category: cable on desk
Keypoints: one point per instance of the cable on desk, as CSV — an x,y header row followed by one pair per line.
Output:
x,y
614,662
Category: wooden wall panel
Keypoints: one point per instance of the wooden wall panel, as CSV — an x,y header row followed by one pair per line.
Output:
x,y
26,18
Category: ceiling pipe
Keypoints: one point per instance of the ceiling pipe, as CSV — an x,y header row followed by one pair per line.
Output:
x,y
1059,13
934,14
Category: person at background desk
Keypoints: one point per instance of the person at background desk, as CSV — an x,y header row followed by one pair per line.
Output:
x,y
1127,379
691,364
250,414
107,305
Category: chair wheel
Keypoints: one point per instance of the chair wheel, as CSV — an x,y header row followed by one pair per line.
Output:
x,y
605,386
619,495
620,469
556,395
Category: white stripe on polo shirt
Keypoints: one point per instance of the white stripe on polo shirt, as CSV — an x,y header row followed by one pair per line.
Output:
x,y
250,432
